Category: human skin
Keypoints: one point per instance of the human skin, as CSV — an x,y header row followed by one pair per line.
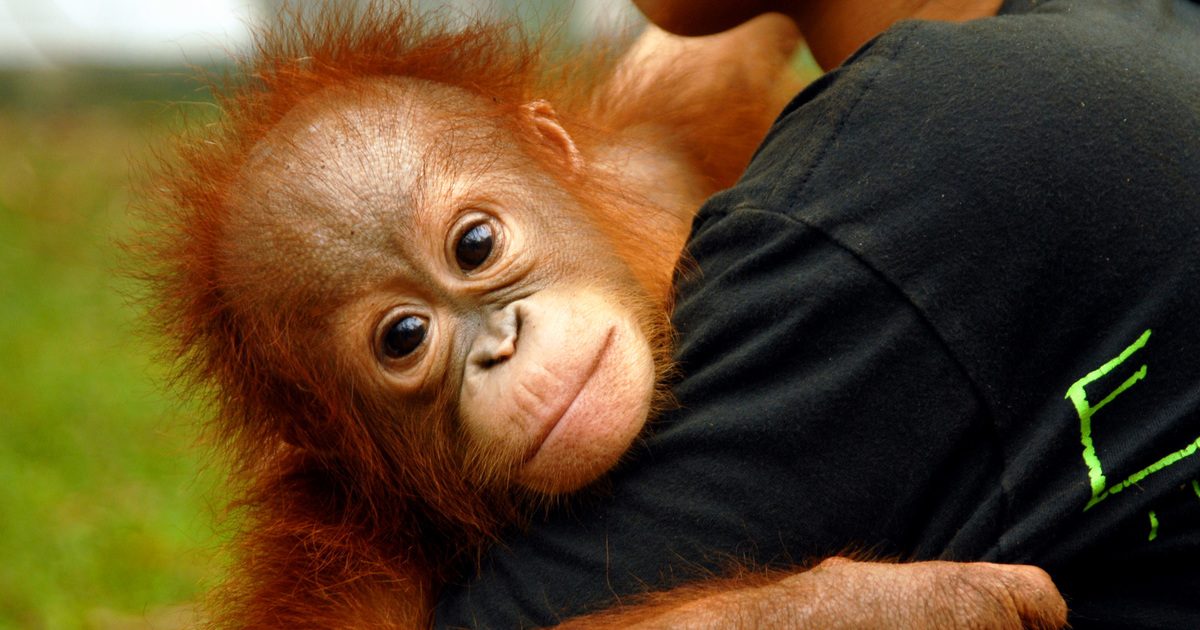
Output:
x,y
833,29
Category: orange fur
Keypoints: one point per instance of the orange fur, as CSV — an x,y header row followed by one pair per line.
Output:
x,y
350,520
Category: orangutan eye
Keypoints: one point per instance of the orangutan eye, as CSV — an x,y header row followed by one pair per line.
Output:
x,y
474,247
404,336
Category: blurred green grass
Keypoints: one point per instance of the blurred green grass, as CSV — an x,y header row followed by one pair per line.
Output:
x,y
105,508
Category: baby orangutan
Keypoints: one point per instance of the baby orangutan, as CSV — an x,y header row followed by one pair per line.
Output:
x,y
426,280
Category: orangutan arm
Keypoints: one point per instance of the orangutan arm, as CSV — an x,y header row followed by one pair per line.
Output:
x,y
841,593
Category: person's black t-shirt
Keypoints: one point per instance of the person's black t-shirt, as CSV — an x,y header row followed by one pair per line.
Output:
x,y
952,310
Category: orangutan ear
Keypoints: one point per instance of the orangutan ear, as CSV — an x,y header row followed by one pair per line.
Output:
x,y
544,121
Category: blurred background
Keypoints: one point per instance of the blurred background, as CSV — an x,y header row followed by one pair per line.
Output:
x,y
106,506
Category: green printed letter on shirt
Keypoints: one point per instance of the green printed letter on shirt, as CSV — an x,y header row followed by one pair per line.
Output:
x,y
1078,396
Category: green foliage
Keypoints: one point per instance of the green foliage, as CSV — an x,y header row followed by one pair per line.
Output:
x,y
105,509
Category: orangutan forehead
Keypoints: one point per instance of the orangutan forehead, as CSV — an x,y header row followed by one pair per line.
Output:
x,y
338,188
351,145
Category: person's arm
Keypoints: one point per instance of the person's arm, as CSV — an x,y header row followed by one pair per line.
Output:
x,y
841,593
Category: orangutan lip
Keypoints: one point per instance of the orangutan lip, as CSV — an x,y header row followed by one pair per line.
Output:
x,y
536,447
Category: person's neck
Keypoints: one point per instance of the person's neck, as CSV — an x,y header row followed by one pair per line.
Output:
x,y
834,29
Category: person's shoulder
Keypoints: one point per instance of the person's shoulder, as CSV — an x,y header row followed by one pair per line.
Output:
x,y
942,69
915,80
1031,81
918,91
1061,87
1047,55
